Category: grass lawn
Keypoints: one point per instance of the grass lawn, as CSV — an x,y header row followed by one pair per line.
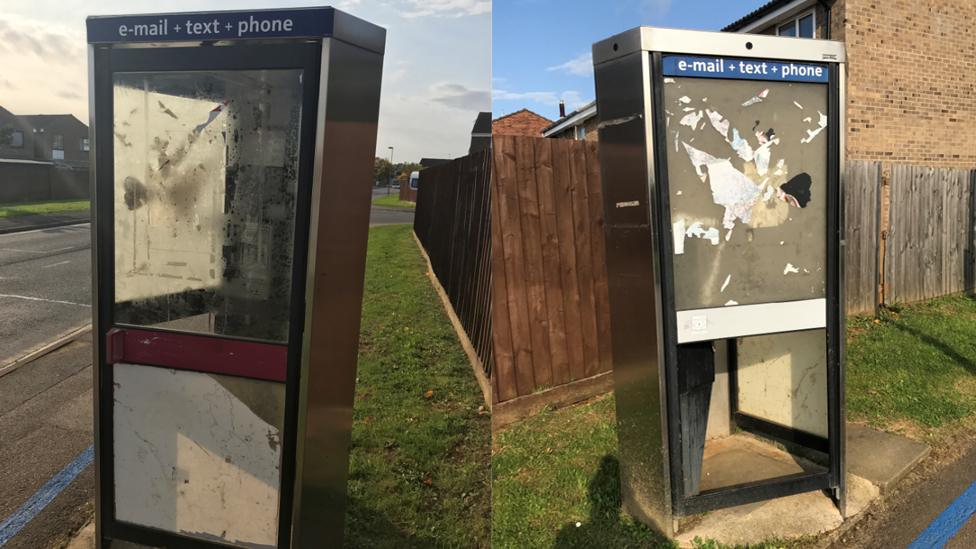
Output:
x,y
420,462
50,207
912,370
393,201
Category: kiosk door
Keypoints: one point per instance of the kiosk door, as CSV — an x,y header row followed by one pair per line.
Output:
x,y
207,177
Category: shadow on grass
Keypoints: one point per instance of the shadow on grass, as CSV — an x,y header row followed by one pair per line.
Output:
x,y
606,526
368,529
942,346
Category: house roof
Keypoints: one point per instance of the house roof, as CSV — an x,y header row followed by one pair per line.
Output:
x,y
758,13
43,119
482,124
520,111
574,118
520,122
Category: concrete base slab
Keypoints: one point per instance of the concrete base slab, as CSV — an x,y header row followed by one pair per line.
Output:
x,y
880,457
742,458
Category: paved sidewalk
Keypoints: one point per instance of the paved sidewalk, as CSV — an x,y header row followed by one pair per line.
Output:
x,y
19,223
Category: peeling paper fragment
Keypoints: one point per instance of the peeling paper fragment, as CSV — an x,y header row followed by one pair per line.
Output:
x,y
799,106
731,302
691,119
757,98
731,188
813,133
719,122
728,235
761,156
808,120
684,99
678,233
726,283
741,146
697,231
790,269
678,193
780,167
669,80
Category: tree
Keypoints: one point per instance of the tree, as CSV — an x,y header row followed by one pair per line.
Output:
x,y
381,170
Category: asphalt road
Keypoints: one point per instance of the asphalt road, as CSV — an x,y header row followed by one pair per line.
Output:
x,y
45,287
910,510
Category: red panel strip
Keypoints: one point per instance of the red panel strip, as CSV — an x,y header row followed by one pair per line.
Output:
x,y
197,353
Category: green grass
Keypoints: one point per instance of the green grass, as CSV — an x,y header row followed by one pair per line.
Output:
x,y
393,201
913,369
420,461
50,207
914,364
558,468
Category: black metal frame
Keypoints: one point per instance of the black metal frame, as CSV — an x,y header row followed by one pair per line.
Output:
x,y
304,55
832,479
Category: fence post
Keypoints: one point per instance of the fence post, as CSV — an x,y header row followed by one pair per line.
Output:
x,y
884,223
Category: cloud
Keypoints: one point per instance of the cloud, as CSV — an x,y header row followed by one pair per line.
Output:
x,y
445,8
50,46
581,65
460,97
572,98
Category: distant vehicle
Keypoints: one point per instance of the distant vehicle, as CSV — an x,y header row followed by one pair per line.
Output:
x,y
395,185
414,180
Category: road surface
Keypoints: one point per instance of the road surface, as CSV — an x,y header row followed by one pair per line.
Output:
x,y
45,287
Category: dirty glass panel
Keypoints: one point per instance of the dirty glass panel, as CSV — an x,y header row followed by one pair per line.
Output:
x,y
206,175
747,177
782,378
198,454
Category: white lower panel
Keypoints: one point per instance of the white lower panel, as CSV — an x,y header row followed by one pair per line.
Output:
x,y
782,378
744,320
198,454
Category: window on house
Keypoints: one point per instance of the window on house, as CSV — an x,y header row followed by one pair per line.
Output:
x,y
17,139
801,26
580,132
58,143
85,145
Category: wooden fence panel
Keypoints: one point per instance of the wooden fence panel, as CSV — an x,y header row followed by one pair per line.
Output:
x,y
453,223
928,252
862,185
553,259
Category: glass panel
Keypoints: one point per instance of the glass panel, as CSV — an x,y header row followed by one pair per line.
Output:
x,y
206,175
806,26
788,29
747,177
782,378
198,454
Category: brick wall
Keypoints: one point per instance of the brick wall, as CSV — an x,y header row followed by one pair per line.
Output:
x,y
912,81
523,122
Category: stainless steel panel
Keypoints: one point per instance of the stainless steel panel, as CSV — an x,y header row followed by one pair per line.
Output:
x,y
635,302
717,43
348,109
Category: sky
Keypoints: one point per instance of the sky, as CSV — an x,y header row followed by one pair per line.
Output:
x,y
436,74
541,48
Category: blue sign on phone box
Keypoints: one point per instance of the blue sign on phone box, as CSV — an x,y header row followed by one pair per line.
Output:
x,y
743,69
221,25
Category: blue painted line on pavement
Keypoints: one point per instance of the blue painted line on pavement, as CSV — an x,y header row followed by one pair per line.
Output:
x,y
41,498
948,523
